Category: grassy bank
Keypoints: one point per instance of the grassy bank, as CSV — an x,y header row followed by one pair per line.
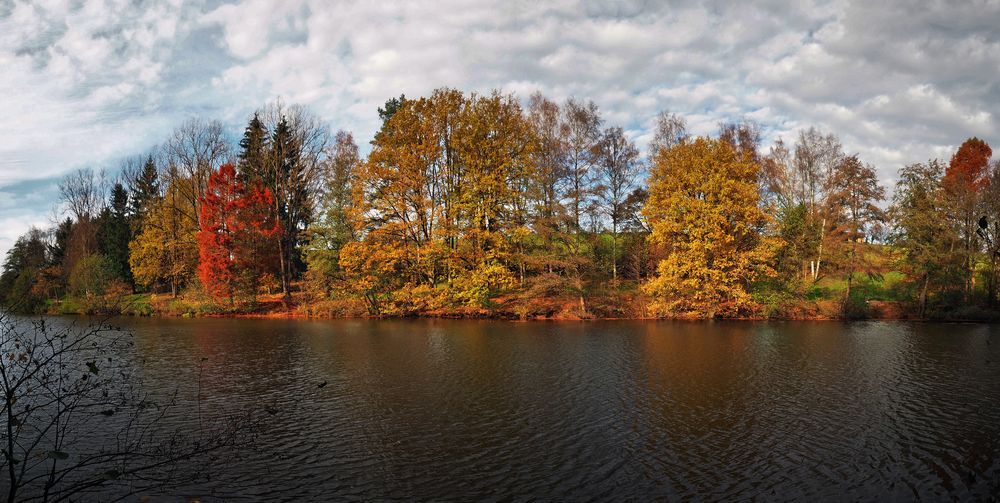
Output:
x,y
883,296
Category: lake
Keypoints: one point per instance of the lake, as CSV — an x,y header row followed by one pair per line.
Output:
x,y
480,410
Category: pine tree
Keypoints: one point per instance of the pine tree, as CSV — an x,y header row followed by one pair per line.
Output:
x,y
253,150
392,105
114,233
287,181
145,192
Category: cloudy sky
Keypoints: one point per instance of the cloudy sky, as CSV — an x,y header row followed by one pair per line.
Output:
x,y
83,84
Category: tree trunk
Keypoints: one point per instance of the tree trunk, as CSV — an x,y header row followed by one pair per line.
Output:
x,y
923,296
283,269
819,252
614,254
850,276
991,282
847,294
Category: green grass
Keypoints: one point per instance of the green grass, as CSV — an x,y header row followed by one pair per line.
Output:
x,y
887,286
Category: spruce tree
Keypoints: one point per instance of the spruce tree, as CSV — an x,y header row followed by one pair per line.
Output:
x,y
291,196
114,233
145,193
253,151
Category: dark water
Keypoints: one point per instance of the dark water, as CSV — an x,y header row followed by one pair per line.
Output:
x,y
455,410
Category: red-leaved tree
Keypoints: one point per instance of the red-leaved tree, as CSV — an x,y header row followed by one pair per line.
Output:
x,y
236,225
964,182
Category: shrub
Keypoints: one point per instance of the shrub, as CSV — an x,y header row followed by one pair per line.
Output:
x,y
91,276
485,281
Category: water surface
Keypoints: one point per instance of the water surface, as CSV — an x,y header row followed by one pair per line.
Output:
x,y
470,410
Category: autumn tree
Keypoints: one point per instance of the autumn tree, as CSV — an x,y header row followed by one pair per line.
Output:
x,y
82,195
191,153
20,271
964,181
550,160
236,222
988,231
399,191
854,196
443,191
165,251
744,135
669,130
618,161
333,229
556,250
816,157
582,125
919,231
703,206
293,172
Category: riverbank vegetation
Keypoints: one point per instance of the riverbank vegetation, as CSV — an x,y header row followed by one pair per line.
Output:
x,y
484,205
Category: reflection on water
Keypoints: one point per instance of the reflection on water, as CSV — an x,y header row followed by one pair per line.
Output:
x,y
612,410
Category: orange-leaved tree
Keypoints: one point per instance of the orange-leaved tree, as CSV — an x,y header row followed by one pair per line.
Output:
x,y
964,182
236,225
703,208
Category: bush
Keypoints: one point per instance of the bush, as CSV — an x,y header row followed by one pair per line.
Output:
x,y
482,283
22,296
91,276
413,300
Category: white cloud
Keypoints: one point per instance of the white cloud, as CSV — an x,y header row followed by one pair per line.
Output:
x,y
93,81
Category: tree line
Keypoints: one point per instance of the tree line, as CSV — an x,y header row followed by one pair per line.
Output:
x,y
472,203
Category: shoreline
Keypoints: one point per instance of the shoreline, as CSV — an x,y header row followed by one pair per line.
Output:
x,y
306,317
275,307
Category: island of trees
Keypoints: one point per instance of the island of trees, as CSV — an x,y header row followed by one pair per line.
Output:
x,y
483,205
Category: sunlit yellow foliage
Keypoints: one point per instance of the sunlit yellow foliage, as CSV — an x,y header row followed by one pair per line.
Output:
x,y
374,270
703,207
166,250
439,198
477,286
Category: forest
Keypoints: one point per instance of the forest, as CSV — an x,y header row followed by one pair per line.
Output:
x,y
487,205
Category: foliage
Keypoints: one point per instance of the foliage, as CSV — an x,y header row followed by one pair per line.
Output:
x,y
374,270
468,200
478,286
924,238
236,227
20,270
703,206
114,233
333,229
92,276
165,250
964,182
854,196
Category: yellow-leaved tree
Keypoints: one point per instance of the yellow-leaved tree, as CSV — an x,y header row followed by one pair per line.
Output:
x,y
703,209
166,251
